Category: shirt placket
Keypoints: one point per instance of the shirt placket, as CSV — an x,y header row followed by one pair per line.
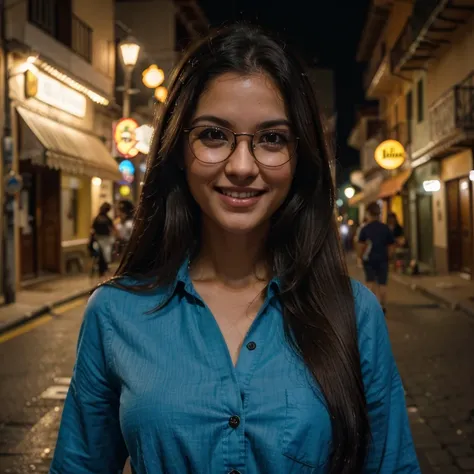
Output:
x,y
234,380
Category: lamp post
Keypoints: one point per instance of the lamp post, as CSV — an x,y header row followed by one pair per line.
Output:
x,y
6,175
129,51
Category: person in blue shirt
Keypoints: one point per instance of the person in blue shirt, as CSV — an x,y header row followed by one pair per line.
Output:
x,y
231,339
376,246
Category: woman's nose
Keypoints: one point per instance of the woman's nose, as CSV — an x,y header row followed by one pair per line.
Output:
x,y
241,162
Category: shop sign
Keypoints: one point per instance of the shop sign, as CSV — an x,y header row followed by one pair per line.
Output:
x,y
390,155
128,170
53,92
13,183
131,138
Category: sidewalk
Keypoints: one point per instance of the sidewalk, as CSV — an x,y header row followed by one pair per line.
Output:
x,y
39,299
450,289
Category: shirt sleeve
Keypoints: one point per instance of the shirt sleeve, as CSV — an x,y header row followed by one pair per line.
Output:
x,y
362,235
90,440
390,237
391,449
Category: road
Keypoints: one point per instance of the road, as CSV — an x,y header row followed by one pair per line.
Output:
x,y
434,348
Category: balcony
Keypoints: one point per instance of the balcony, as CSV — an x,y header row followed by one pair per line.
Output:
x,y
62,25
377,79
81,39
432,24
452,120
49,30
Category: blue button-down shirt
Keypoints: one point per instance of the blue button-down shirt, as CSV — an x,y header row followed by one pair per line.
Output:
x,y
161,388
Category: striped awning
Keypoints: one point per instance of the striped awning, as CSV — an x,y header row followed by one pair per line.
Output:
x,y
56,145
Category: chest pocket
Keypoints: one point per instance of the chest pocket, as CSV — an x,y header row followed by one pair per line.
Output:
x,y
307,431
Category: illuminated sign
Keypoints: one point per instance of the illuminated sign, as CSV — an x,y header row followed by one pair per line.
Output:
x,y
131,139
390,154
52,92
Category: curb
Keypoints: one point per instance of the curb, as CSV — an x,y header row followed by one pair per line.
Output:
x,y
456,305
42,310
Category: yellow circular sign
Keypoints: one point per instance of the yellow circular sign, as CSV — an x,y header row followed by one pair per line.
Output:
x,y
390,154
125,138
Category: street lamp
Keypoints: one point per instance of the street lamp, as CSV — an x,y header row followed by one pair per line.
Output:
x,y
129,51
161,93
153,76
349,192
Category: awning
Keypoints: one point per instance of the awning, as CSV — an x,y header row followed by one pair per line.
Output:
x,y
393,185
58,146
357,199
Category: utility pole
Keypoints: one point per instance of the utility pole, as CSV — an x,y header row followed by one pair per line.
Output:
x,y
8,236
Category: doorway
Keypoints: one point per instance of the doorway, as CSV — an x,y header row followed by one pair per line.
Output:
x,y
424,209
460,232
39,217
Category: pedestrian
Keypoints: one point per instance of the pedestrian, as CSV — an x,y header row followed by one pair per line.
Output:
x,y
124,224
231,339
103,231
376,245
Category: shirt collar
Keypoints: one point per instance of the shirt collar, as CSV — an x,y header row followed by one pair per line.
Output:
x,y
183,277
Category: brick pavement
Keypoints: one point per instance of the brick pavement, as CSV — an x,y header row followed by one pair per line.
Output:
x,y
433,347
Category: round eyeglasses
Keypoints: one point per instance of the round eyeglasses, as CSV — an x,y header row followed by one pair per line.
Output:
x,y
212,145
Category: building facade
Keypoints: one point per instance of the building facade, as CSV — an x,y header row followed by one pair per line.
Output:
x,y
161,28
420,68
61,68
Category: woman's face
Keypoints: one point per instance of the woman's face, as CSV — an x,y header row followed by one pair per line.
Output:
x,y
240,194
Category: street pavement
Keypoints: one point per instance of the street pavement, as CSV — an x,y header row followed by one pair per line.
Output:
x,y
433,346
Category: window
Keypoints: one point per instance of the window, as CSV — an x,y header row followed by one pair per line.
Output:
x,y
420,96
409,107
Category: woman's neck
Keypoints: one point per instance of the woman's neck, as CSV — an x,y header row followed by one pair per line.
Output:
x,y
235,260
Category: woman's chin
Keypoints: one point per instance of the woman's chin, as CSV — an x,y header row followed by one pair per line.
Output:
x,y
240,224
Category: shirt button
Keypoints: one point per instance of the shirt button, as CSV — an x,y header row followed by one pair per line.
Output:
x,y
234,421
251,346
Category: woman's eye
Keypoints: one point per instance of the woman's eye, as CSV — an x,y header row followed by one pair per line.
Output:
x,y
273,138
213,134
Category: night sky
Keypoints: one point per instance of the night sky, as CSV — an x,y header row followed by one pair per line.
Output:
x,y
326,32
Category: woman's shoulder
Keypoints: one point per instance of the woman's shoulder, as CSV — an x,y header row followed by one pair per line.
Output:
x,y
120,299
370,319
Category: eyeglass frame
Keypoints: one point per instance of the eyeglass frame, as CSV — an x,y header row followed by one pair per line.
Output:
x,y
236,135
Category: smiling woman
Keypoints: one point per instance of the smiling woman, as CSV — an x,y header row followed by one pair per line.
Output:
x,y
231,339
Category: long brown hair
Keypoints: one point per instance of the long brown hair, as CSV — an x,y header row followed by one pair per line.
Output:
x,y
316,293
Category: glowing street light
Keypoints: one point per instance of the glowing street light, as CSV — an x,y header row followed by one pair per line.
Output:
x,y
129,51
153,76
349,192
161,93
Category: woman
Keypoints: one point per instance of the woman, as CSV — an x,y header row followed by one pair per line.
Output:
x,y
103,231
124,224
396,229
231,339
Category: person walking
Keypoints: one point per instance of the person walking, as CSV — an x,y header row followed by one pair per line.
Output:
x,y
376,245
103,231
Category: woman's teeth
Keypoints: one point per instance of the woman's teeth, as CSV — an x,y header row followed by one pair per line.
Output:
x,y
237,195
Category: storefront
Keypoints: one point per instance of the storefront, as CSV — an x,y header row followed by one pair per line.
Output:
x,y
62,159
393,194
455,246
421,214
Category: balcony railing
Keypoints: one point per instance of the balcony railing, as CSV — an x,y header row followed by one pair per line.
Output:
x,y
81,41
42,13
374,65
426,30
68,29
453,112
